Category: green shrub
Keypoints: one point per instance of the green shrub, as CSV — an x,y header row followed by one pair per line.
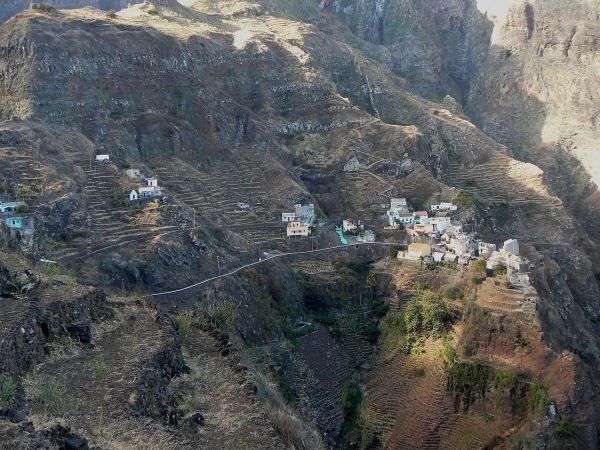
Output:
x,y
450,265
393,332
538,397
394,249
50,269
152,10
43,7
65,236
413,316
184,321
326,318
372,333
505,379
100,371
464,199
466,349
50,395
22,209
435,314
468,381
565,429
499,270
352,398
453,293
428,313
380,308
480,266
9,387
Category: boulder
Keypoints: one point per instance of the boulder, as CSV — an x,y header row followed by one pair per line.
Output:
x,y
194,421
24,281
16,415
195,418
75,442
82,333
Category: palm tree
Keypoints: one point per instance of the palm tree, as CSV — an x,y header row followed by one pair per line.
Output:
x,y
522,345
372,282
372,278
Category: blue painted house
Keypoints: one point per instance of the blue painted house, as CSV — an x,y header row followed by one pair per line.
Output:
x,y
9,206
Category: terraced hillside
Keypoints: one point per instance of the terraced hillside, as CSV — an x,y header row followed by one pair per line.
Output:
x,y
213,196
110,225
407,403
330,367
494,295
502,180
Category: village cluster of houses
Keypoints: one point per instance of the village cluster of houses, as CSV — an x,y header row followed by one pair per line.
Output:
x,y
417,223
462,250
13,220
439,239
509,257
149,189
299,221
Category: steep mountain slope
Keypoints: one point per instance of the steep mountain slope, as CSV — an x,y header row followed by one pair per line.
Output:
x,y
265,103
525,72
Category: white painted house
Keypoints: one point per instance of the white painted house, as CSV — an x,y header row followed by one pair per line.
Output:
x,y
440,223
494,260
152,182
305,213
450,257
398,203
368,236
444,207
516,262
150,191
460,246
133,195
242,205
350,225
102,157
288,217
511,246
464,259
486,249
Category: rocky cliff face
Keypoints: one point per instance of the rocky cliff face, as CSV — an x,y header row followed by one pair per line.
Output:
x,y
438,46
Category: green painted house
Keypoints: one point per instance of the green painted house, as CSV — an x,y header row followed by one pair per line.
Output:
x,y
14,222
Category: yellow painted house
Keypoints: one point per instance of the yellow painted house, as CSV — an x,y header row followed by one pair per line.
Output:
x,y
416,250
